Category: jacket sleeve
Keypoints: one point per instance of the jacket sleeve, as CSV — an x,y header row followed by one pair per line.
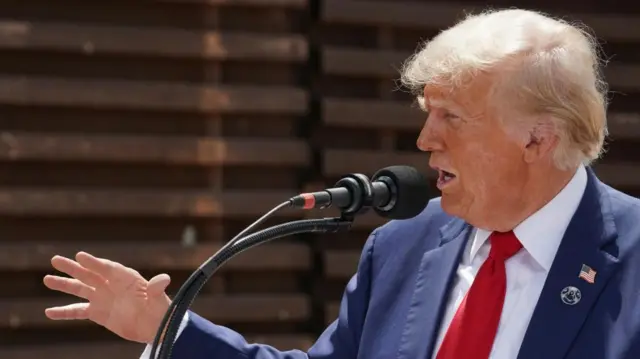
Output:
x,y
202,339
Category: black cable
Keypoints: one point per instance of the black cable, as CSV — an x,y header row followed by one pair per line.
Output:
x,y
197,280
182,307
171,315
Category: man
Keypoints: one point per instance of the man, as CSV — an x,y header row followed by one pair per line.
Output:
x,y
526,254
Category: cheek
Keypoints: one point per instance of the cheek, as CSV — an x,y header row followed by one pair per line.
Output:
x,y
483,171
478,158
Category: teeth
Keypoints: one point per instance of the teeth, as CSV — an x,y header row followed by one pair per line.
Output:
x,y
446,176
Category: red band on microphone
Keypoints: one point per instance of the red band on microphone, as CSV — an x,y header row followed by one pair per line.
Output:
x,y
309,200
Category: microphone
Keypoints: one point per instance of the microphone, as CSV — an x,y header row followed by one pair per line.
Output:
x,y
395,192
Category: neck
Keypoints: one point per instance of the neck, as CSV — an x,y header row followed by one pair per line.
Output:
x,y
540,189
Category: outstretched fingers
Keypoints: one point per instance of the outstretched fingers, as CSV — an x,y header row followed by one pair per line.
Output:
x,y
69,286
75,270
77,311
103,267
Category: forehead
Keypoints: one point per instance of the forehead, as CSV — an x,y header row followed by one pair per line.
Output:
x,y
471,98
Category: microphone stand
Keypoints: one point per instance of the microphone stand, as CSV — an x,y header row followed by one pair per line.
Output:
x,y
190,289
361,199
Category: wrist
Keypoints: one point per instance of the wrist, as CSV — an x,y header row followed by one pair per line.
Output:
x,y
157,320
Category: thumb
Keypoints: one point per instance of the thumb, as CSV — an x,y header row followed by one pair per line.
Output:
x,y
158,285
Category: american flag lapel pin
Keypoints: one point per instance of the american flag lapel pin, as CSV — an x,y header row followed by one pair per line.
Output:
x,y
588,274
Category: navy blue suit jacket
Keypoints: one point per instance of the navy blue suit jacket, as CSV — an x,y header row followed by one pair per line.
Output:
x,y
393,305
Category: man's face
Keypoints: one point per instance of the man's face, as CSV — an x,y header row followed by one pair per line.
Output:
x,y
480,166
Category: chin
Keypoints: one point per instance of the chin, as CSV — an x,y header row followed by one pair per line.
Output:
x,y
452,205
448,204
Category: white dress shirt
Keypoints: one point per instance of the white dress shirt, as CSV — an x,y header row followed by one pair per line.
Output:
x,y
540,235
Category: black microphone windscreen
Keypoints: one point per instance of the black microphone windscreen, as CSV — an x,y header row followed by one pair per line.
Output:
x,y
413,192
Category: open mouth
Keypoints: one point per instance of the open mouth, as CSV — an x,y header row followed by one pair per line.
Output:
x,y
445,178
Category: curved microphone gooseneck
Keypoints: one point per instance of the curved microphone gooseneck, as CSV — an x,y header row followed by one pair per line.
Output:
x,y
194,284
396,192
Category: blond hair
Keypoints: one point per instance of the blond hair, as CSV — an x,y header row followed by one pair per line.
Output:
x,y
539,66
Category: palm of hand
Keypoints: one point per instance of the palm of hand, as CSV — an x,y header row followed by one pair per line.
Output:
x,y
120,299
120,304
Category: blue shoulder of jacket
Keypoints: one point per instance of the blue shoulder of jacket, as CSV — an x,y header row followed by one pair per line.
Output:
x,y
420,229
625,210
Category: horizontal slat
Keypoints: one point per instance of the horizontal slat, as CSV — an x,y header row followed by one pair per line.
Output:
x,y
332,310
148,149
623,77
122,349
338,162
355,62
396,13
96,39
20,90
439,15
156,255
624,125
386,64
372,114
29,312
624,175
247,3
159,203
399,115
341,263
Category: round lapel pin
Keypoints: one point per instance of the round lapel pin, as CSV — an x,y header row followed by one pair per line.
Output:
x,y
570,295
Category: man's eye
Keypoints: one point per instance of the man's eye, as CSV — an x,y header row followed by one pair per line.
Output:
x,y
450,116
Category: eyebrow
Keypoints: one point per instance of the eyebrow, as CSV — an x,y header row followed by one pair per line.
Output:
x,y
442,104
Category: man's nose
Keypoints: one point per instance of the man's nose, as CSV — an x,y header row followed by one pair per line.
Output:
x,y
429,139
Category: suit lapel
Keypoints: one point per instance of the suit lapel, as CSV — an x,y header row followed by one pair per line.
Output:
x,y
431,290
555,324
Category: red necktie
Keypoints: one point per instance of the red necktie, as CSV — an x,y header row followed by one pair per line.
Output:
x,y
474,326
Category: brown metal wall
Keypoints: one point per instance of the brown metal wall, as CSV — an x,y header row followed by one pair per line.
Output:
x,y
129,128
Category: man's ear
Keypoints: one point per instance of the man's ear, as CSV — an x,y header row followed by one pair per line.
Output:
x,y
541,141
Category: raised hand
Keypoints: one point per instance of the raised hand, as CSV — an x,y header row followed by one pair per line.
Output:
x,y
119,298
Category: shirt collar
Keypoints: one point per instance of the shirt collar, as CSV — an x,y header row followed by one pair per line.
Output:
x,y
542,232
